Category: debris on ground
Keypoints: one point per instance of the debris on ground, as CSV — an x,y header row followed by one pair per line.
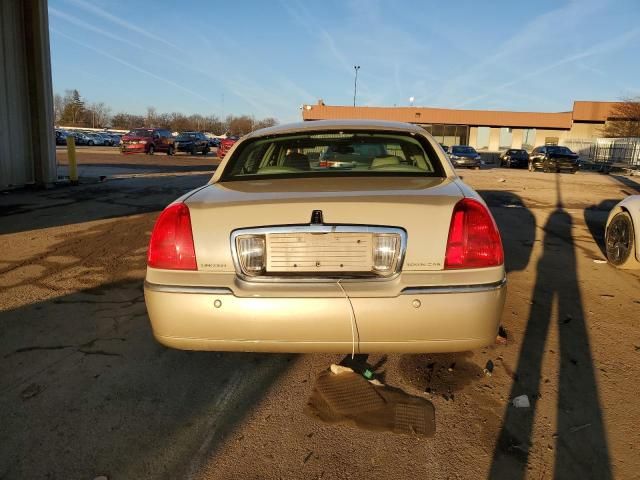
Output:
x,y
521,401
580,427
501,180
501,339
339,369
349,398
488,369
31,391
597,260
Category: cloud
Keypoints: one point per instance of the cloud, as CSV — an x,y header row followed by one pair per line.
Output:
x,y
598,49
123,23
132,66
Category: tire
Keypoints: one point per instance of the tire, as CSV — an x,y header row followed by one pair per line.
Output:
x,y
170,151
151,150
619,242
193,151
205,151
90,143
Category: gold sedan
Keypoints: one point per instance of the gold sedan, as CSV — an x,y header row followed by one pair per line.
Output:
x,y
328,236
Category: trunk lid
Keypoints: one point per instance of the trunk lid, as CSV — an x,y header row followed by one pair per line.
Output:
x,y
420,206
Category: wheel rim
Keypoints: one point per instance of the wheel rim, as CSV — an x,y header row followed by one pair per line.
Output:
x,y
618,241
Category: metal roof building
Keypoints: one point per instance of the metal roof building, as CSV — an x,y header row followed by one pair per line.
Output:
x,y
484,129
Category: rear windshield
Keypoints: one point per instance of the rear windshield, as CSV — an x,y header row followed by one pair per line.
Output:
x,y
518,153
187,136
332,154
561,150
463,149
140,132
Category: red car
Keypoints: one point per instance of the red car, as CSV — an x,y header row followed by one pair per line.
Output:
x,y
225,145
149,141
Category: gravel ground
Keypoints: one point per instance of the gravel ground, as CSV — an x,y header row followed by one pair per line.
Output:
x,y
85,390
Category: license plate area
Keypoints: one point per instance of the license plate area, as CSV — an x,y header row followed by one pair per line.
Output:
x,y
332,252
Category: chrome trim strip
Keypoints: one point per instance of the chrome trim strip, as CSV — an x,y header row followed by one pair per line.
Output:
x,y
324,228
155,287
485,287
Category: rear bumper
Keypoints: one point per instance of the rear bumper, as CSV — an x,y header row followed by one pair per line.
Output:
x,y
134,148
420,320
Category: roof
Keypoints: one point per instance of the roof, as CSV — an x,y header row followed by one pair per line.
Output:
x,y
344,124
592,111
587,112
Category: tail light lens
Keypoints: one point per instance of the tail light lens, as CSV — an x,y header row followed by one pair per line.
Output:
x,y
171,246
474,240
386,251
251,253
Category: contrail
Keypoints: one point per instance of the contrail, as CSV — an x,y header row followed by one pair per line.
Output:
x,y
129,26
133,67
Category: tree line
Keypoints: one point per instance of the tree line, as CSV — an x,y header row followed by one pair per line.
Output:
x,y
71,110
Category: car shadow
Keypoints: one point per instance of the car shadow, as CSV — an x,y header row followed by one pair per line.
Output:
x,y
85,390
517,226
595,217
581,449
627,181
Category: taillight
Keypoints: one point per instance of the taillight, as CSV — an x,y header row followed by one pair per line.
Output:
x,y
171,244
474,240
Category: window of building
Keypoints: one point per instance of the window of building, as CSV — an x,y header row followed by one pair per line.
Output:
x,y
528,138
506,138
482,140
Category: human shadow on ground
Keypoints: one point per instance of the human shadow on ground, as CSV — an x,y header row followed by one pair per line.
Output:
x,y
581,449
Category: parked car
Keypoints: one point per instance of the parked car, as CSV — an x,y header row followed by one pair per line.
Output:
x,y
465,156
273,255
553,158
80,138
225,145
95,139
107,139
148,140
192,143
214,142
514,157
622,233
61,137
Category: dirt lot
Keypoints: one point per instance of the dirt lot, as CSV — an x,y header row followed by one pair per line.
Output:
x,y
85,390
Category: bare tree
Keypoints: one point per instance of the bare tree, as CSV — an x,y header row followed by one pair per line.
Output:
x,y
97,115
58,108
152,117
624,119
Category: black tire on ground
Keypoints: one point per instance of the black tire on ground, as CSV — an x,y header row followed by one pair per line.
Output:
x,y
205,151
193,151
170,151
619,241
508,163
90,143
151,150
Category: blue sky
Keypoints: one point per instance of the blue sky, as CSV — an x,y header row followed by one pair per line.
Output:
x,y
269,58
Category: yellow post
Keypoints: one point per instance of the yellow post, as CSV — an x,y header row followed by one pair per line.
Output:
x,y
71,157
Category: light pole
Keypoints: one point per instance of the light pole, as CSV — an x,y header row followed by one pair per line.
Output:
x,y
355,84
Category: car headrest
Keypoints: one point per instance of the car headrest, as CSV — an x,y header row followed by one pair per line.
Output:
x,y
297,160
383,161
